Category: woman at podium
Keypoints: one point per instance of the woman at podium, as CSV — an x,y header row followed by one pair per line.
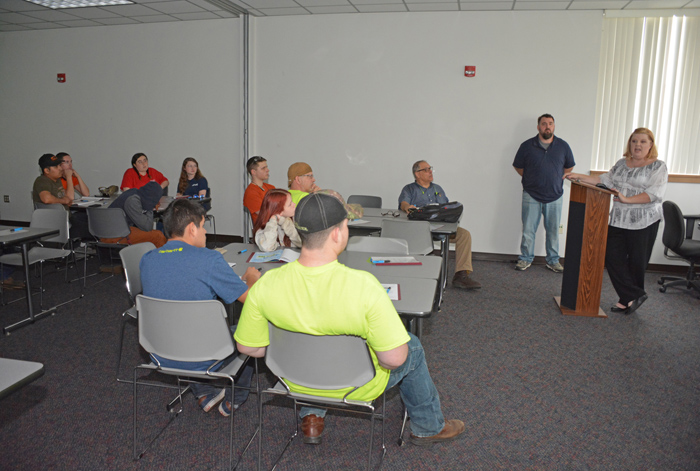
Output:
x,y
639,183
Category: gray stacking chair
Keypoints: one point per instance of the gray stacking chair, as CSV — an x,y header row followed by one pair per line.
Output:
x,y
678,240
366,201
187,331
377,245
321,362
106,223
131,257
416,233
45,218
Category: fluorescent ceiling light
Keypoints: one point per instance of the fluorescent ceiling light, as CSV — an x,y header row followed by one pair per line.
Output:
x,y
55,4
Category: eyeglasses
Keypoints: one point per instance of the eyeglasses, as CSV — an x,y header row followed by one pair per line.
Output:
x,y
426,169
310,175
393,214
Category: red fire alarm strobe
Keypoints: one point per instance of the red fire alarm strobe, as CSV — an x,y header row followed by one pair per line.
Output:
x,y
61,78
469,70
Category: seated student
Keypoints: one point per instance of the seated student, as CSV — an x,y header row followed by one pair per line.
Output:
x,y
138,205
317,295
301,181
47,190
275,227
139,174
254,194
192,182
185,270
79,186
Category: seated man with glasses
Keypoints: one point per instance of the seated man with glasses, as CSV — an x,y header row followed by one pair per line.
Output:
x,y
301,181
254,194
423,191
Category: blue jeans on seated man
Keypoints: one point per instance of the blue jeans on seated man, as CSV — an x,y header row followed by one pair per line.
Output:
x,y
532,211
419,394
203,389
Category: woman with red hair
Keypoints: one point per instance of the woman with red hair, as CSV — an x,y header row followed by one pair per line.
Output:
x,y
274,227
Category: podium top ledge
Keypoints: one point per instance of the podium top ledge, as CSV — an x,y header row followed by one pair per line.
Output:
x,y
593,187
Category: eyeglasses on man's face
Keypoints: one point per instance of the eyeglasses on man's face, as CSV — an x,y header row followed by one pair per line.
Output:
x,y
426,169
310,175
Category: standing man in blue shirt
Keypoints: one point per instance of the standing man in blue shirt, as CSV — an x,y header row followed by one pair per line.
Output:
x,y
542,162
423,191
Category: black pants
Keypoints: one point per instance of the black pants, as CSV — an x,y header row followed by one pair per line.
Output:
x,y
626,258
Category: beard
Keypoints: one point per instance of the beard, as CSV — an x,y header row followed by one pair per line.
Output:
x,y
547,136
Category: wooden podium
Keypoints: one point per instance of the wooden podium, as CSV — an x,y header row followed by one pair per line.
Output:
x,y
586,239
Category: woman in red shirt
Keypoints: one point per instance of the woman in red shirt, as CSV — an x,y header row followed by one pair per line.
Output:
x,y
139,174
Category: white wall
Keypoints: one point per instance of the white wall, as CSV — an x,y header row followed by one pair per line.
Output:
x,y
170,90
359,97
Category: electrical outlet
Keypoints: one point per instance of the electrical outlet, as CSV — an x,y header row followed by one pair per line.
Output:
x,y
7,198
561,228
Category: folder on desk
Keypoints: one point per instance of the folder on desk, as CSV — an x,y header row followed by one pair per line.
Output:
x,y
388,261
279,255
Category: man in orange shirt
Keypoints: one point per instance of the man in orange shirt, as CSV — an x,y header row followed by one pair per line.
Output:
x,y
254,194
79,186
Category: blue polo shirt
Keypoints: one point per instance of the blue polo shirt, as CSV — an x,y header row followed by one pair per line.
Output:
x,y
418,196
543,169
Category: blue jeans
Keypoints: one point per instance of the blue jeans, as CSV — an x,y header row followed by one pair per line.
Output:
x,y
203,389
417,390
532,210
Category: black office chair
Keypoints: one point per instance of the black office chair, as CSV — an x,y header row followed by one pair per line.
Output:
x,y
677,238
366,201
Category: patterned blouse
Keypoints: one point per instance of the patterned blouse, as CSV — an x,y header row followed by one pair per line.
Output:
x,y
650,179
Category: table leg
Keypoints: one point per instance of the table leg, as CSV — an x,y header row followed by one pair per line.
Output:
x,y
30,307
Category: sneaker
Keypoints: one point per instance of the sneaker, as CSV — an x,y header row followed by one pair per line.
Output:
x,y
555,267
225,408
453,428
208,402
522,265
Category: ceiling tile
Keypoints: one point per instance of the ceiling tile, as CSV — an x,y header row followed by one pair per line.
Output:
x,y
8,28
92,13
131,10
51,15
170,8
374,2
322,3
485,5
381,8
117,21
433,7
46,25
332,9
542,5
598,4
260,4
17,18
200,15
283,11
647,4
78,23
21,5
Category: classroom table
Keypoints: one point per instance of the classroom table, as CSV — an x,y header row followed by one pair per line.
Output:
x,y
23,237
104,202
14,374
371,221
417,283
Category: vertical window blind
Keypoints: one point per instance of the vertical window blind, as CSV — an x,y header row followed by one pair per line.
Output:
x,y
649,77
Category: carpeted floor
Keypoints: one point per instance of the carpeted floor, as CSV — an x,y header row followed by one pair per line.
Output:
x,y
536,389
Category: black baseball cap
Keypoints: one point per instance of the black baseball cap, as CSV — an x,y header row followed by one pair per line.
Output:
x,y
319,211
49,160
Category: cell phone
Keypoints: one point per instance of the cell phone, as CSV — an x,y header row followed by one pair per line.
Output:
x,y
600,185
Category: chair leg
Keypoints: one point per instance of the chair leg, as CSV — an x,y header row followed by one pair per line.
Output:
x,y
402,442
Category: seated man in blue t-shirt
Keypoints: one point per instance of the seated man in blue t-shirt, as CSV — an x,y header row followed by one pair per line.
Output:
x,y
423,191
185,270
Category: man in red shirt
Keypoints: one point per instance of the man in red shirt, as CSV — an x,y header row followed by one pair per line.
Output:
x,y
254,194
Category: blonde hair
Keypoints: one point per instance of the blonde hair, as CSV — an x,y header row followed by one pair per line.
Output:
x,y
653,153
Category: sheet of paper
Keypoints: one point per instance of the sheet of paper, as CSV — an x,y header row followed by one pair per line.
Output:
x,y
392,289
357,222
394,261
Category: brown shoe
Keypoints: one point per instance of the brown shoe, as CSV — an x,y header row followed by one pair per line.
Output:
x,y
452,429
312,427
462,280
9,283
116,269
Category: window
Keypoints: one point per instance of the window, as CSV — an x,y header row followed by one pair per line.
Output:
x,y
650,77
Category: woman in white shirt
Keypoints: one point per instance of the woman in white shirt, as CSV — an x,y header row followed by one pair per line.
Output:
x,y
274,227
639,182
